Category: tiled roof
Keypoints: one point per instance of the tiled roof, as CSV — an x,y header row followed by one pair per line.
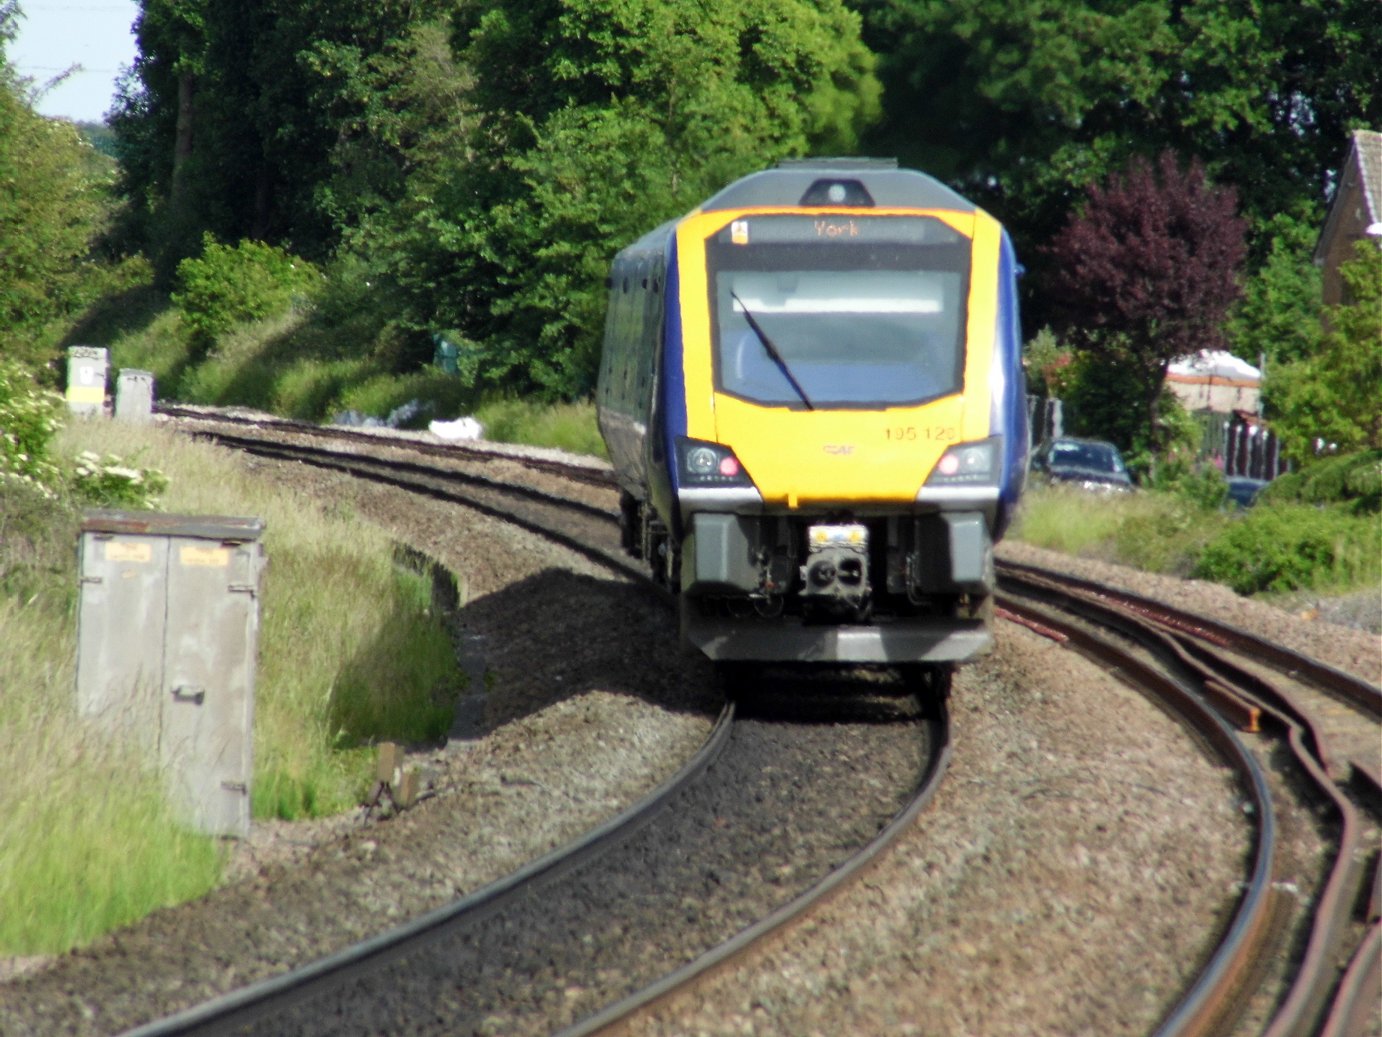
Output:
x,y
1367,145
1365,160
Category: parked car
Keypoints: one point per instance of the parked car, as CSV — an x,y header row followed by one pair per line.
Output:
x,y
1243,491
1091,464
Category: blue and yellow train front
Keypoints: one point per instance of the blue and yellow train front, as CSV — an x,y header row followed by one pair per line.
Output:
x,y
843,411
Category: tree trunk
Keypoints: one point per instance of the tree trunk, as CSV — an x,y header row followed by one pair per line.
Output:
x,y
182,142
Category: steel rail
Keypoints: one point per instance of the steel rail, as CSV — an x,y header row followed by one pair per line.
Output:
x,y
1314,979
1299,1012
1365,695
244,1006
593,472
257,445
1355,1007
622,1012
1213,997
394,473
1204,1006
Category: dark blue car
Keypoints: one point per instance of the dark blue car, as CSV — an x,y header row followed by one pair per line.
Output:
x,y
1243,491
1091,464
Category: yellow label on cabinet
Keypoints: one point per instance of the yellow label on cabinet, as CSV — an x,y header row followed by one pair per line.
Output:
x,y
117,551
205,557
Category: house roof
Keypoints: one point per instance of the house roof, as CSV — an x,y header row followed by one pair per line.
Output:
x,y
1365,161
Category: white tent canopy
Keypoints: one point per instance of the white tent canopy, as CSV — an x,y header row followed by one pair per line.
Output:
x,y
1216,364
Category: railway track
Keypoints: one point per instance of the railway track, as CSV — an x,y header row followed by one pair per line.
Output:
x,y
644,905
1336,976
689,845
1183,659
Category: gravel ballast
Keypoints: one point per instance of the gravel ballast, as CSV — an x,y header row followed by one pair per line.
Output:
x,y
1078,862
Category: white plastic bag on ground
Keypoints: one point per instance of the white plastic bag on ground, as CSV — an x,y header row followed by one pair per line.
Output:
x,y
461,428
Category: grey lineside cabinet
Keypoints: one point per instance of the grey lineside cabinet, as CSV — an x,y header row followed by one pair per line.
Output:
x,y
167,642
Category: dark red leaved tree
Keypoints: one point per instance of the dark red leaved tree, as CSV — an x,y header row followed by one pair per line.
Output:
x,y
1146,272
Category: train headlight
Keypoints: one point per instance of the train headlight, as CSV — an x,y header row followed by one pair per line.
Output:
x,y
968,464
709,464
701,461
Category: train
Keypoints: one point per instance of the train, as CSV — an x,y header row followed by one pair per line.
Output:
x,y
812,395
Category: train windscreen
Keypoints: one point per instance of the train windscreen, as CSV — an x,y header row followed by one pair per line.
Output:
x,y
838,311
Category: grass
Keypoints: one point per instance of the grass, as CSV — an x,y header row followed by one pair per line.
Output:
x,y
567,426
348,656
1275,547
296,365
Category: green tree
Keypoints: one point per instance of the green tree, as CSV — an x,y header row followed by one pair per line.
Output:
x,y
54,205
231,121
1279,315
1019,103
1328,403
598,119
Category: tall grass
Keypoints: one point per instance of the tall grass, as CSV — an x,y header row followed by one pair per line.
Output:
x,y
566,426
1070,521
87,841
1273,547
348,656
296,365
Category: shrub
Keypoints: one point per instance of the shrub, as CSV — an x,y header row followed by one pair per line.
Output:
x,y
107,482
1201,485
1353,479
1293,547
28,418
224,286
566,426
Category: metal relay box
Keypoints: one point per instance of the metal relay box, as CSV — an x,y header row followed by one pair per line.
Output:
x,y
168,625
86,379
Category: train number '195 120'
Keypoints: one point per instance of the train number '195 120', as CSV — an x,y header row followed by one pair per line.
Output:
x,y
930,433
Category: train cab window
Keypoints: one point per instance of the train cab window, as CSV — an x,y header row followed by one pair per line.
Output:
x,y
862,311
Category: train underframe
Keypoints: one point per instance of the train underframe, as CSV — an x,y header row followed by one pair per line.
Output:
x,y
893,588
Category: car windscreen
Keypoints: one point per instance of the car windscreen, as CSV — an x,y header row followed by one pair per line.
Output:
x,y
856,311
1092,457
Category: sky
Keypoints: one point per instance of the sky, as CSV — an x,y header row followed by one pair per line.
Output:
x,y
55,35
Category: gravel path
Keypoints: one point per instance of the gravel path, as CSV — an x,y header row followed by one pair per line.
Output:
x,y
1079,860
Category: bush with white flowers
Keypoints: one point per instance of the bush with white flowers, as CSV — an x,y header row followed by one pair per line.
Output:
x,y
108,482
29,416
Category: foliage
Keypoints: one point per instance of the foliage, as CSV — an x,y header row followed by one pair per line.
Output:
x,y
108,482
1019,104
1146,273
1047,362
1202,485
565,426
29,416
1160,532
250,281
1354,480
1290,547
233,113
1328,403
487,193
54,206
1279,314
583,111
1271,547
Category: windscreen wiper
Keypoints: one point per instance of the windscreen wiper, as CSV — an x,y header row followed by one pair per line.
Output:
x,y
772,351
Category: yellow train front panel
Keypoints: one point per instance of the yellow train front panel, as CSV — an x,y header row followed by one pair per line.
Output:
x,y
800,453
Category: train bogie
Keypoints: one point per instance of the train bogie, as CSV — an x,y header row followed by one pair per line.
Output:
x,y
812,396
